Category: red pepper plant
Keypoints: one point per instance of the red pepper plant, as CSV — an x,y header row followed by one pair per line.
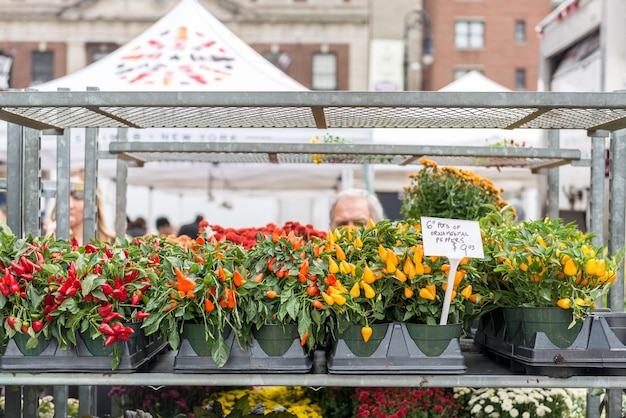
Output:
x,y
60,290
378,273
282,285
198,284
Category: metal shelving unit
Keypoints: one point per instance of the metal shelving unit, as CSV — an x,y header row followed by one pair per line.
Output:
x,y
598,114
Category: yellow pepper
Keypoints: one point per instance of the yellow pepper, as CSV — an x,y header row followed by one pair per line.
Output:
x,y
570,268
332,265
426,294
355,292
366,332
328,299
338,298
341,255
368,275
400,276
408,292
369,292
467,291
358,243
564,303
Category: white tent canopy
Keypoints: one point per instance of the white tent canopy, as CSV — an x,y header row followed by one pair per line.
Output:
x,y
190,50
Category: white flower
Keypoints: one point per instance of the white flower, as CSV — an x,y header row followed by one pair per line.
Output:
x,y
514,413
507,405
495,415
526,414
476,409
489,409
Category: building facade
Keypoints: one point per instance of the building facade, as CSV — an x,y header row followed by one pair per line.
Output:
x,y
323,44
494,37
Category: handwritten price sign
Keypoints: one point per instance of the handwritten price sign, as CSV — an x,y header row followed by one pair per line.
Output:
x,y
452,238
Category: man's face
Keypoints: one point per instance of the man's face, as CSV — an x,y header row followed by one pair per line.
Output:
x,y
350,211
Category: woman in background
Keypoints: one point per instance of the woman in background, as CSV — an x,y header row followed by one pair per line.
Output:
x,y
77,206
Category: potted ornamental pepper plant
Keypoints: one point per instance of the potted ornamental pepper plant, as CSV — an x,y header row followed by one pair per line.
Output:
x,y
57,290
377,274
196,297
282,296
548,268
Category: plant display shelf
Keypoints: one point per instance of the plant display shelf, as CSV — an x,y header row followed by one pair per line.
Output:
x,y
599,115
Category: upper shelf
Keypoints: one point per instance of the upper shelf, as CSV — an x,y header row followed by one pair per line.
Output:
x,y
403,155
505,110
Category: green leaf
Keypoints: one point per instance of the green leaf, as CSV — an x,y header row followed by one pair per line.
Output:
x,y
220,352
87,284
291,307
174,340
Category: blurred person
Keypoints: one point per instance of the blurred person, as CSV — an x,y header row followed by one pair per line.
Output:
x,y
355,207
191,229
77,195
137,228
163,226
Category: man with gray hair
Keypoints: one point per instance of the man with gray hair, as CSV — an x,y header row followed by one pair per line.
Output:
x,y
355,207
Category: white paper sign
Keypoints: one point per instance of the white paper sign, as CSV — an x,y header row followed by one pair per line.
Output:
x,y
452,238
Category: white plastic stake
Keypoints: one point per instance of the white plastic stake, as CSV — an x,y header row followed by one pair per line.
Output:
x,y
454,264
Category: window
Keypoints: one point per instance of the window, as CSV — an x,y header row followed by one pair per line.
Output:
x,y
520,31
460,72
469,34
42,69
520,79
324,72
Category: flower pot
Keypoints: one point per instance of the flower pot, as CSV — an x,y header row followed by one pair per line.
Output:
x,y
552,321
274,339
22,339
354,339
512,321
196,335
432,340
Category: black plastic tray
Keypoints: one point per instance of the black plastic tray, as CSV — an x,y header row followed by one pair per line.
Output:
x,y
598,349
397,352
247,359
80,358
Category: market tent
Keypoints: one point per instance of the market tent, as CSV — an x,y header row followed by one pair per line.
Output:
x,y
190,50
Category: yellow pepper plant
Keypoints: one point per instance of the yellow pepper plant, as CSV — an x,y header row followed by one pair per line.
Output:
x,y
543,263
378,273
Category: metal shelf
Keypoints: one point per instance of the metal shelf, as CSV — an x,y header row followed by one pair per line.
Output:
x,y
403,155
322,110
482,371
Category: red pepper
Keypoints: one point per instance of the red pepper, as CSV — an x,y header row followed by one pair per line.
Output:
x,y
71,291
142,315
106,329
25,327
123,337
4,290
110,340
71,271
118,328
17,268
105,310
120,294
40,259
97,269
11,322
113,315
108,251
134,300
90,248
106,289
129,331
37,326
